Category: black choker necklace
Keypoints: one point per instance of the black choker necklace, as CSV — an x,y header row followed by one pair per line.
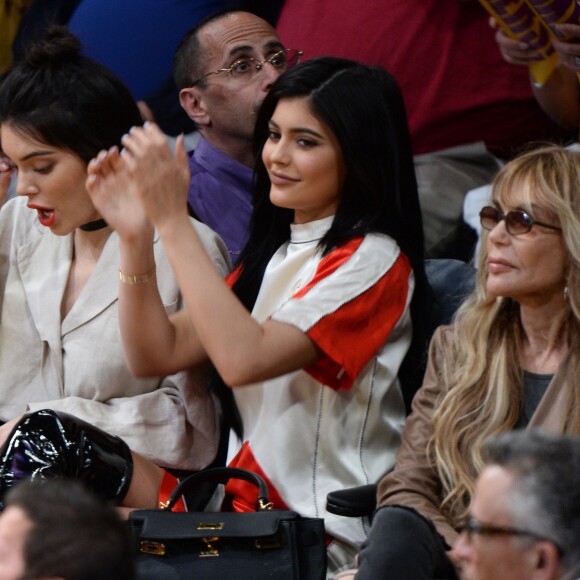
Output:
x,y
94,226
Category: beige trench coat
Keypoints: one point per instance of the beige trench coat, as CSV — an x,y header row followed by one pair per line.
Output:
x,y
77,365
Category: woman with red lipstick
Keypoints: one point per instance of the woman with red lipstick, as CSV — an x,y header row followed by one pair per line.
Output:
x,y
59,285
316,321
511,360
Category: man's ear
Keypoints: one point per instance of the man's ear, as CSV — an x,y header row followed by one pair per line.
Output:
x,y
547,561
193,103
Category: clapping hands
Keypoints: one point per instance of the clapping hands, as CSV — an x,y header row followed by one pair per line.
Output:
x,y
142,184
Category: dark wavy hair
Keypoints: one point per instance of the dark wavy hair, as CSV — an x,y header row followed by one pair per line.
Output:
x,y
63,99
364,109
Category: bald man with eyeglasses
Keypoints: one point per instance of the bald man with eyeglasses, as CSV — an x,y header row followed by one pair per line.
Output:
x,y
224,68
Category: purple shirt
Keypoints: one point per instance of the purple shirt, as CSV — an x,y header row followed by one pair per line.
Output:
x,y
220,194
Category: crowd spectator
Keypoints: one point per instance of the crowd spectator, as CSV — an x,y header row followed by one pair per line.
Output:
x,y
141,59
559,96
57,529
59,280
510,360
328,274
524,519
224,68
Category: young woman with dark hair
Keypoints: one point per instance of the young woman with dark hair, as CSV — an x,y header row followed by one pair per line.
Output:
x,y
311,338
61,356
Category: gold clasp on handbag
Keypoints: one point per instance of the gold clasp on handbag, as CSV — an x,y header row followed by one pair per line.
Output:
x,y
210,549
155,548
210,526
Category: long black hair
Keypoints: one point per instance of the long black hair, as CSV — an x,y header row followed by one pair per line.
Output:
x,y
63,99
363,107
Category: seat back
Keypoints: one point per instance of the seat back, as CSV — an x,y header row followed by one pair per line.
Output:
x,y
451,281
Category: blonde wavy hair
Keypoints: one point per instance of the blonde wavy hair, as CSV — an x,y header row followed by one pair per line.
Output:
x,y
483,379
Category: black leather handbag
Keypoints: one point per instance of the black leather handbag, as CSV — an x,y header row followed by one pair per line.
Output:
x,y
267,543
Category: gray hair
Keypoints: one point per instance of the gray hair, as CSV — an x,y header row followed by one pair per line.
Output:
x,y
545,499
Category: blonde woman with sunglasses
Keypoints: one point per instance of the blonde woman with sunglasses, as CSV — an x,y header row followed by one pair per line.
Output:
x,y
511,360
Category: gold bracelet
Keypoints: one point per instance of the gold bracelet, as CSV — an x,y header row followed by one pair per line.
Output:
x,y
134,279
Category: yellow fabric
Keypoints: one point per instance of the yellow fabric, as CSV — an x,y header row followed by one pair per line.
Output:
x,y
11,12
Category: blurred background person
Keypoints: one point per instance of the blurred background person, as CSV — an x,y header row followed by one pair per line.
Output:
x,y
524,518
60,530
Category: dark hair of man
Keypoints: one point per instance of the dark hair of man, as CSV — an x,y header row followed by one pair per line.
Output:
x,y
545,498
364,109
187,64
66,100
74,535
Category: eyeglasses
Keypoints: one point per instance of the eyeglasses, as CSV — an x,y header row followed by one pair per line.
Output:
x,y
516,221
474,526
246,69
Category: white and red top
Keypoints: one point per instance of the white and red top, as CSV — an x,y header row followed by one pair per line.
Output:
x,y
336,424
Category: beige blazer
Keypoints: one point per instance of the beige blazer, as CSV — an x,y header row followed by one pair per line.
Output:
x,y
413,482
77,365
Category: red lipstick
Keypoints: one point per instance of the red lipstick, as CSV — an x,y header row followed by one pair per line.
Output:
x,y
45,215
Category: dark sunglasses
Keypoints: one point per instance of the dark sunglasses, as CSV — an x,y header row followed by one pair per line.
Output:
x,y
516,221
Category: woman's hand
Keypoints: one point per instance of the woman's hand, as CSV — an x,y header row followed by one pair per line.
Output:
x,y
109,184
159,179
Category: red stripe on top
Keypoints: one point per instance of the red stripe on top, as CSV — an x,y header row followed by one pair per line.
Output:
x,y
168,484
327,265
330,263
355,332
244,494
233,276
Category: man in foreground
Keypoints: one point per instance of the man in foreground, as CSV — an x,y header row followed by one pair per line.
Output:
x,y
525,515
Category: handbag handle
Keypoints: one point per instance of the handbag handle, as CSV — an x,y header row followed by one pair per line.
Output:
x,y
221,475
